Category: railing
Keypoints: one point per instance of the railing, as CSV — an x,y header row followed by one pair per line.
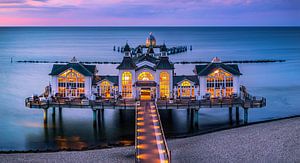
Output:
x,y
168,152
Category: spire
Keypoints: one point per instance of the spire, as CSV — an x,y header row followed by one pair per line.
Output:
x,y
74,60
163,50
127,50
139,51
216,60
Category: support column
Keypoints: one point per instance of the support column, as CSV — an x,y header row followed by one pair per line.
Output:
x,y
237,115
45,116
196,117
60,110
53,112
230,115
94,118
245,115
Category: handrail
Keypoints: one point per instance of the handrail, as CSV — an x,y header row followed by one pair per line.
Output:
x,y
163,134
135,142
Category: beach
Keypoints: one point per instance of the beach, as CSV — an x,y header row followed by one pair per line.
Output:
x,y
275,141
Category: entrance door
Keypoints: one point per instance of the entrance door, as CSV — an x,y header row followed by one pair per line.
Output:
x,y
145,94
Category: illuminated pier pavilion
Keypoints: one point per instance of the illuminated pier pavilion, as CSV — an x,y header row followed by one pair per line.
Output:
x,y
146,82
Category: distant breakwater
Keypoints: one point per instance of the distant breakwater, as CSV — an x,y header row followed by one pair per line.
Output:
x,y
181,62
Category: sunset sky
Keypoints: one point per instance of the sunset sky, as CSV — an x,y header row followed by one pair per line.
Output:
x,y
150,12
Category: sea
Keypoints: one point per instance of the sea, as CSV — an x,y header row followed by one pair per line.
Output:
x,y
22,129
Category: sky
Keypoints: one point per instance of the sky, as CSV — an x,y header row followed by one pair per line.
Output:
x,y
149,12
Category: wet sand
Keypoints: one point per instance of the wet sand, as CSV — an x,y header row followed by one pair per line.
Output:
x,y
277,141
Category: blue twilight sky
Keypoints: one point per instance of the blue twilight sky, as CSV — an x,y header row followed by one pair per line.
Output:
x,y
150,12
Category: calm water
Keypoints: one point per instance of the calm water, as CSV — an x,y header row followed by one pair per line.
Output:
x,y
22,128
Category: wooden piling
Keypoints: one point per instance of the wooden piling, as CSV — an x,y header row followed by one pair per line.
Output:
x,y
94,118
237,115
230,115
245,115
53,112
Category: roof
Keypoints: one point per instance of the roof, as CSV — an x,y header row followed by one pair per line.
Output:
x,y
204,70
86,70
147,67
127,63
150,50
146,57
163,48
164,63
113,79
145,83
193,78
127,48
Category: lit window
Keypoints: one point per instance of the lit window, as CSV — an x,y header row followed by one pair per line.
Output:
x,y
145,76
186,89
220,83
164,84
105,89
126,85
71,83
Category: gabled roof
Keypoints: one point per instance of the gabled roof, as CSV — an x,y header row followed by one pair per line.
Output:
x,y
127,63
112,79
147,67
146,57
164,63
204,70
86,70
178,79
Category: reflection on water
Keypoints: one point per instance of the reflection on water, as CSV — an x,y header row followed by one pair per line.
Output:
x,y
114,128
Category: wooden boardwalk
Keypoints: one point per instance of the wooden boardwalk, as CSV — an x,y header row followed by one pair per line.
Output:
x,y
150,142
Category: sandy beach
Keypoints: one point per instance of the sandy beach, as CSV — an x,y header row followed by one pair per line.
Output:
x,y
276,141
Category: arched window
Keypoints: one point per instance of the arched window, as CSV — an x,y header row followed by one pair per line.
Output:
x,y
105,89
71,83
186,89
220,83
145,76
164,84
126,85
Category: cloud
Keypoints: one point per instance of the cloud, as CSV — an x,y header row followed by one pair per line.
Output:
x,y
152,12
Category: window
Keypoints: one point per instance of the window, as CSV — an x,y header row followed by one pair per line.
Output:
x,y
127,85
219,83
71,83
164,84
105,89
145,76
186,89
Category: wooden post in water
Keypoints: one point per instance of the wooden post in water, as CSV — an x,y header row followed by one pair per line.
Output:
x,y
196,117
53,112
59,110
237,115
45,115
245,115
94,117
230,115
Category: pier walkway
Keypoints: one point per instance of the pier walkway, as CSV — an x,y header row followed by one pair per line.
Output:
x,y
150,142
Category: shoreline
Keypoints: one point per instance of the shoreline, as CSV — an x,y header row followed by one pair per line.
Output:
x,y
113,146
276,141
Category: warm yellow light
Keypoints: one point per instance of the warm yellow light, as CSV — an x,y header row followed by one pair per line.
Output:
x,y
140,119
141,137
140,123
141,130
155,120
217,71
157,134
156,127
